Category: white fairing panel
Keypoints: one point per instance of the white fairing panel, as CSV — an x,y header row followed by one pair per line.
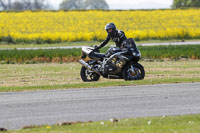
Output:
x,y
87,50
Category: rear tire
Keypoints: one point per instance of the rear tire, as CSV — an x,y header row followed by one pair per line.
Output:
x,y
137,74
89,76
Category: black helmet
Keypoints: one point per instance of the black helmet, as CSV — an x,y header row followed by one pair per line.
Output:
x,y
110,26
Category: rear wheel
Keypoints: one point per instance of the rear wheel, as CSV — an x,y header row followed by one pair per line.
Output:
x,y
88,75
134,72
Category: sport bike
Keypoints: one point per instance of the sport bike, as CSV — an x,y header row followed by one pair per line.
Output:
x,y
119,65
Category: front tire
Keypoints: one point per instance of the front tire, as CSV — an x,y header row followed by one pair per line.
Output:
x,y
89,76
137,73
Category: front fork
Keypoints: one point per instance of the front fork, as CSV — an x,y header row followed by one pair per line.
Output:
x,y
133,72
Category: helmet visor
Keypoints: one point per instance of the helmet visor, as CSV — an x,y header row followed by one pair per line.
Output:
x,y
110,30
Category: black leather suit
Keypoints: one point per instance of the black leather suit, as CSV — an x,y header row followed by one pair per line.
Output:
x,y
118,37
121,42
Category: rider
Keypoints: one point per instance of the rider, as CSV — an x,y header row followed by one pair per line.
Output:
x,y
124,45
116,35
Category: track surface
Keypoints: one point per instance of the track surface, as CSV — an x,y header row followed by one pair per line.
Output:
x,y
143,44
50,107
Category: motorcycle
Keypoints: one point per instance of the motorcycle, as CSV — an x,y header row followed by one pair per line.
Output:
x,y
117,66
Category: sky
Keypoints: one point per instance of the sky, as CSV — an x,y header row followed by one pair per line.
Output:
x,y
129,4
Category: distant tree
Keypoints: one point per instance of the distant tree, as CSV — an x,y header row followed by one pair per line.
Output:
x,y
17,6
27,4
96,4
24,4
39,4
185,3
195,3
5,4
83,4
72,4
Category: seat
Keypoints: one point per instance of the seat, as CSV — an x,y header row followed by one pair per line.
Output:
x,y
96,56
99,55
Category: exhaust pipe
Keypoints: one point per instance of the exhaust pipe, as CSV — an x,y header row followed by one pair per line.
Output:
x,y
86,65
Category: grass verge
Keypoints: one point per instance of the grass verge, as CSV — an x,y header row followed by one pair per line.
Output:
x,y
164,124
99,84
28,77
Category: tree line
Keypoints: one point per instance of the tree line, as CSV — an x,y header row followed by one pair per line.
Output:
x,y
23,4
76,4
44,4
185,3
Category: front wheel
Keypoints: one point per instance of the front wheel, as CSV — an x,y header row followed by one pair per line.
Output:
x,y
89,76
133,72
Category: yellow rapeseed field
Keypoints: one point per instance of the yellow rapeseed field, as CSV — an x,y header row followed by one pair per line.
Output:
x,y
89,25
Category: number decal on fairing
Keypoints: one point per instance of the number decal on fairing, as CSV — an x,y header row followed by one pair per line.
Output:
x,y
114,60
120,64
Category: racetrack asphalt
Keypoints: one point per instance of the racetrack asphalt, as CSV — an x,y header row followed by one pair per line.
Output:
x,y
19,109
142,44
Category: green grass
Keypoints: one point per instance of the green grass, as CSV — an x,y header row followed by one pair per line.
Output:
x,y
164,124
171,52
99,84
35,56
28,77
68,55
